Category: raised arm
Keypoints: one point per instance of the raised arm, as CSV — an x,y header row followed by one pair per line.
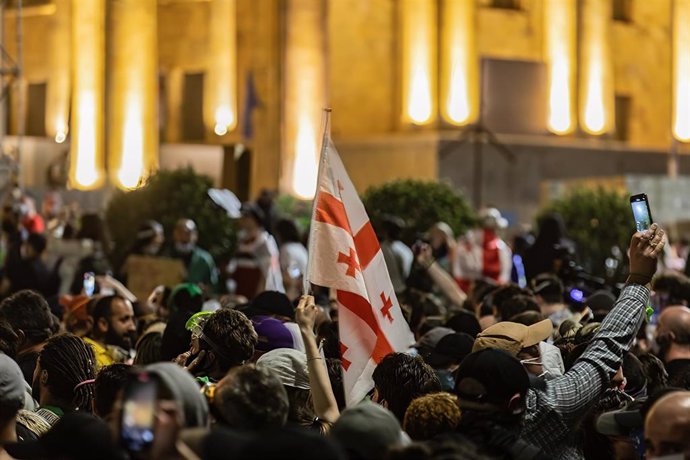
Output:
x,y
583,384
325,405
440,277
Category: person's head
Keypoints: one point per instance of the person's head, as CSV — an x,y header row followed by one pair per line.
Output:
x,y
9,340
491,381
34,246
91,227
673,333
667,426
464,322
634,376
654,371
250,398
75,314
367,431
491,219
450,351
286,231
551,230
431,415
516,305
517,340
290,366
12,392
392,227
252,221
547,288
65,373
178,385
495,299
399,379
149,348
158,301
439,235
149,238
28,314
671,288
185,236
113,321
229,338
109,382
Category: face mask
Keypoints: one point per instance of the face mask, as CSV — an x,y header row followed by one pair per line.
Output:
x,y
184,248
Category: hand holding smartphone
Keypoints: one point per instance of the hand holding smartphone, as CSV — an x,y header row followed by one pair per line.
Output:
x,y
641,212
137,423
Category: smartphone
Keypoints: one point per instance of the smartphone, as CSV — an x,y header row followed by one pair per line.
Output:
x,y
641,212
137,422
89,283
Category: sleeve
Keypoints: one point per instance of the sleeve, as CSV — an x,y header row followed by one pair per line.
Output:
x,y
506,257
573,393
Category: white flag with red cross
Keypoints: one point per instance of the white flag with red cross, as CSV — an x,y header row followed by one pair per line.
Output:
x,y
345,256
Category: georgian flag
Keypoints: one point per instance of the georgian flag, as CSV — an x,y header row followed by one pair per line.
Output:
x,y
345,255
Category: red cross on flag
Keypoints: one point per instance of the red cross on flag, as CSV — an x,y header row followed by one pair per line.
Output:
x,y
345,255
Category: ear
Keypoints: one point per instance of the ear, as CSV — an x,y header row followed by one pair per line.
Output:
x,y
44,377
102,325
21,336
515,404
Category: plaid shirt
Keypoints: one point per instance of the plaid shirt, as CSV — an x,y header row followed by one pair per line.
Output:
x,y
552,414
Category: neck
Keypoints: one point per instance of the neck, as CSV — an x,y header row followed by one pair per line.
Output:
x,y
677,351
8,431
548,309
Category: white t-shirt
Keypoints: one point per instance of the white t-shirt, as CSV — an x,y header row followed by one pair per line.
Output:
x,y
293,256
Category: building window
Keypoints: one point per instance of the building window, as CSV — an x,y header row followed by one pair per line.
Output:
x,y
506,4
193,128
623,114
36,110
622,10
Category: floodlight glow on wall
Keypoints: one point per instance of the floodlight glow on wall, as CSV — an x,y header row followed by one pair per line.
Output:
x,y
459,62
560,28
418,29
58,91
681,70
88,74
133,93
220,93
596,81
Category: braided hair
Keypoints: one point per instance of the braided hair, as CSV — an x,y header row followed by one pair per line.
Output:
x,y
70,362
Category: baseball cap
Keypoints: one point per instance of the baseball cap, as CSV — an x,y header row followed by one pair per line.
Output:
x,y
451,349
12,389
368,430
513,337
489,378
77,435
621,422
272,334
432,337
289,365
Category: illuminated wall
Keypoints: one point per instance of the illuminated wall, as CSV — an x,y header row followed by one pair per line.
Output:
x,y
596,77
133,92
560,18
681,70
88,79
305,94
220,93
58,91
418,41
459,62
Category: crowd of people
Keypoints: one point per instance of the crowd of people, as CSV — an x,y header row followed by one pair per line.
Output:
x,y
236,362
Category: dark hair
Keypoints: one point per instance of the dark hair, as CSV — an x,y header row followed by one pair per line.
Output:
x,y
634,374
335,376
149,349
69,362
286,230
465,322
37,242
102,307
549,287
28,311
230,335
109,381
145,235
654,370
400,378
677,287
329,336
301,410
8,339
516,305
527,318
251,398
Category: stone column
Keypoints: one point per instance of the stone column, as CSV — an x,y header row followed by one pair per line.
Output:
x,y
560,24
57,97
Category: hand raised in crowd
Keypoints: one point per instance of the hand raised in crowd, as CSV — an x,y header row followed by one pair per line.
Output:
x,y
424,254
305,314
645,247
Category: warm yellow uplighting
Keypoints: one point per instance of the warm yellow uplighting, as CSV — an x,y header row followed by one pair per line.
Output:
x,y
596,90
306,161
133,90
418,22
560,24
88,77
459,64
220,93
58,90
681,70
305,95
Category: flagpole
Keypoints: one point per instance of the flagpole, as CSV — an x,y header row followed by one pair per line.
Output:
x,y
306,282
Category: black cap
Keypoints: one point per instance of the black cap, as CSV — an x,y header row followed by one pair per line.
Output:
x,y
451,349
489,378
270,303
77,435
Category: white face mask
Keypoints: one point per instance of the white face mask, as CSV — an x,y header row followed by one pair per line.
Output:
x,y
184,248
